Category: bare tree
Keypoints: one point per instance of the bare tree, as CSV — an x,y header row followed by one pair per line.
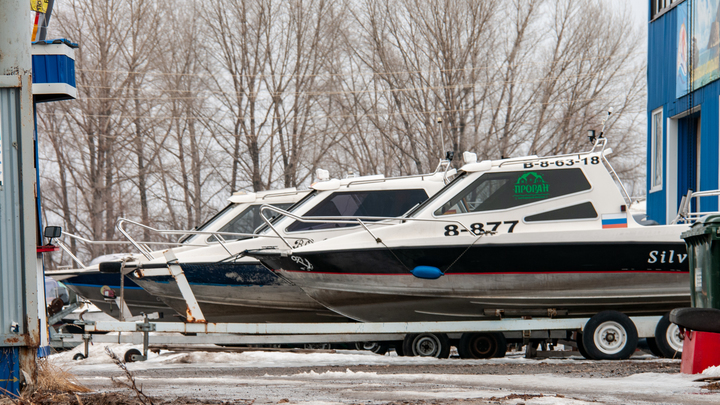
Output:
x,y
422,55
259,93
88,145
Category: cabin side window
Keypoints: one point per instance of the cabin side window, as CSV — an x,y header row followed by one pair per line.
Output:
x,y
247,221
497,191
381,203
578,211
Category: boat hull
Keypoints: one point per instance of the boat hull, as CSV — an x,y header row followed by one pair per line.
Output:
x,y
239,292
91,284
491,280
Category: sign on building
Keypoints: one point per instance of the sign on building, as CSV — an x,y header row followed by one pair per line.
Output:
x,y
698,45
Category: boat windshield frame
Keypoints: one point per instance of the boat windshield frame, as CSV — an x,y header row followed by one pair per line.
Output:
x,y
188,238
264,227
250,208
420,207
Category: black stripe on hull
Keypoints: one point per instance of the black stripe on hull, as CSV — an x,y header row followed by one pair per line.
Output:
x,y
494,258
373,285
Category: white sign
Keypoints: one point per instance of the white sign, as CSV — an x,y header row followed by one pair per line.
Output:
x,y
698,279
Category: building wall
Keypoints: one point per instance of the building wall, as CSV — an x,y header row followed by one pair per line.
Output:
x,y
678,168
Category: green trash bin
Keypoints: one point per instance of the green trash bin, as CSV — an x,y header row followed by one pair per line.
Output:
x,y
703,247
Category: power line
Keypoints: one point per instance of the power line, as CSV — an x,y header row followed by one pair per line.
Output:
x,y
347,92
435,112
399,72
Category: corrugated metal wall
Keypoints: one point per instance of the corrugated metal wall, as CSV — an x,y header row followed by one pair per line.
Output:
x,y
11,287
661,76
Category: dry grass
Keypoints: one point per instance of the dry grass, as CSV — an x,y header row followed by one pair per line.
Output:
x,y
54,384
52,377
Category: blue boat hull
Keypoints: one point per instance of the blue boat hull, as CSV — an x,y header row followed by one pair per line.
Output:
x,y
239,292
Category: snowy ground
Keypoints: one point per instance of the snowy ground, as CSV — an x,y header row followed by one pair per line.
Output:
x,y
355,376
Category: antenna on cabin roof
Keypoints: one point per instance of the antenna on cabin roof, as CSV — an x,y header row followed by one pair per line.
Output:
x,y
448,154
604,121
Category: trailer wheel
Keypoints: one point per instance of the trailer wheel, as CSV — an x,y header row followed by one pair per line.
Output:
x,y
399,348
668,338
316,346
375,347
79,356
502,345
581,346
427,345
129,355
474,345
610,335
652,345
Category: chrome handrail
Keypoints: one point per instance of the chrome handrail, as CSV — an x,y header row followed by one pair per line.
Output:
x,y
616,178
145,251
69,252
600,142
684,215
444,163
349,220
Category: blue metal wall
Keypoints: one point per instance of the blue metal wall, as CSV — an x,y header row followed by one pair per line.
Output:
x,y
9,370
661,76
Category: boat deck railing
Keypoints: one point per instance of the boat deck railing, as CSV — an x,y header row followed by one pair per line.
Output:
x,y
363,221
147,252
685,214
145,247
599,147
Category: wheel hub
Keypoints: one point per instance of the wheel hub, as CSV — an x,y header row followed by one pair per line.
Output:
x,y
482,345
426,346
610,337
674,338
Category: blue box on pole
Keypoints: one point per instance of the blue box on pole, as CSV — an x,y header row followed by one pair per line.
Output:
x,y
53,67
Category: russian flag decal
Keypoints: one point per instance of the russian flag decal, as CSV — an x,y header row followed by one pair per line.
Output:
x,y
614,221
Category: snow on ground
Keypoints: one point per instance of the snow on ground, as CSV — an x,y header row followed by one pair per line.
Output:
x,y
259,359
220,376
712,372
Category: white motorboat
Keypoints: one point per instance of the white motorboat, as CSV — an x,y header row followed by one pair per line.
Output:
x,y
104,290
230,287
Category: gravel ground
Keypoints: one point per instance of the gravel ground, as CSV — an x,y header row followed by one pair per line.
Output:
x,y
584,369
514,380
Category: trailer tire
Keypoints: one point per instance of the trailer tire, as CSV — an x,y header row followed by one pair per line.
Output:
x,y
652,345
376,347
399,348
317,346
668,338
427,345
502,345
474,345
581,347
79,356
610,335
129,355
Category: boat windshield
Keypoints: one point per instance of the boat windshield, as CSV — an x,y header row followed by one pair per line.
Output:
x,y
245,222
275,218
503,190
436,196
219,214
376,203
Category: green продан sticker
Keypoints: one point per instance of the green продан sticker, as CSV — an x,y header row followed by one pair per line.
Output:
x,y
531,186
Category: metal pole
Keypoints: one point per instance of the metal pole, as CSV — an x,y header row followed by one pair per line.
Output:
x,y
19,276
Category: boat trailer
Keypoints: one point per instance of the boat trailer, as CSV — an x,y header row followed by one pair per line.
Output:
x,y
146,332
